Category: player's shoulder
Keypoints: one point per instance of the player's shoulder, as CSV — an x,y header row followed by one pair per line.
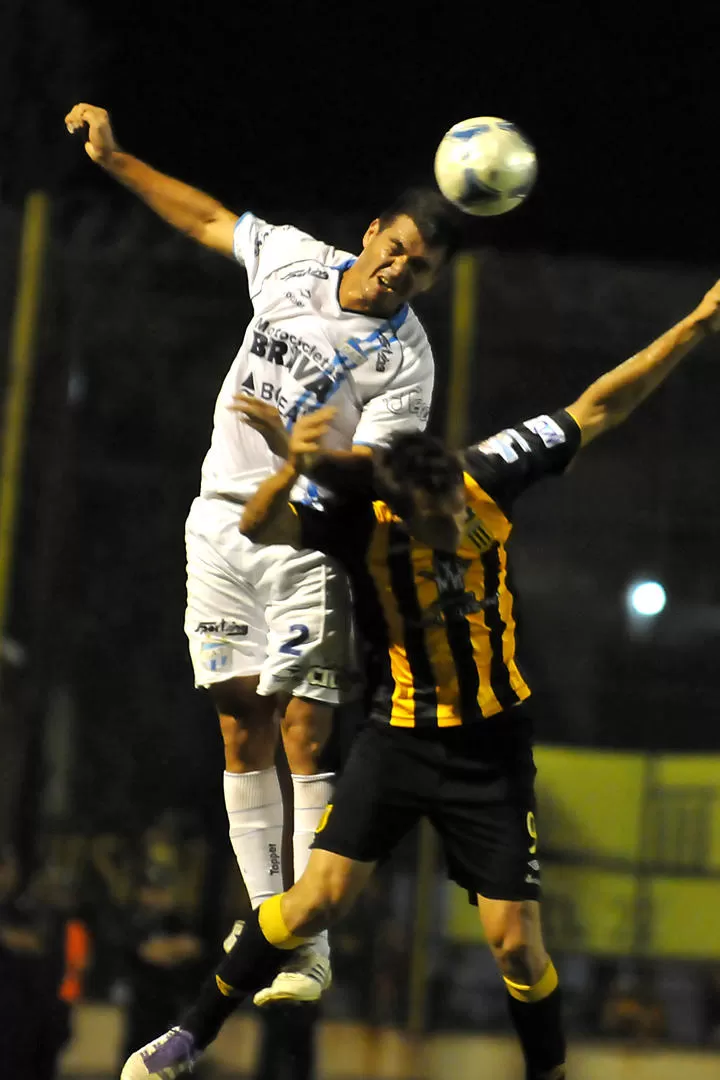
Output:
x,y
284,238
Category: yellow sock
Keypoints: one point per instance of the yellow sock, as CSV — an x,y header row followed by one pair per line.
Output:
x,y
274,927
542,988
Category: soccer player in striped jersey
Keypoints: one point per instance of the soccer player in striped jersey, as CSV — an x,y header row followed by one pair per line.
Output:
x,y
269,627
449,738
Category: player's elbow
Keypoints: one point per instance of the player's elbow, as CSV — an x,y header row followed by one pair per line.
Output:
x,y
258,535
217,231
262,532
254,529
594,417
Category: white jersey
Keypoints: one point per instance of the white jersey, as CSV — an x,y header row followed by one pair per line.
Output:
x,y
303,350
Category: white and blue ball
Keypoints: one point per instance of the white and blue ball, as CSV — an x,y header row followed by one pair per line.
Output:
x,y
485,166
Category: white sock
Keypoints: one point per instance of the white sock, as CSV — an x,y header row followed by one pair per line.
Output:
x,y
255,813
311,794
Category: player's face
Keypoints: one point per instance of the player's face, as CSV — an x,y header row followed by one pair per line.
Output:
x,y
395,265
438,522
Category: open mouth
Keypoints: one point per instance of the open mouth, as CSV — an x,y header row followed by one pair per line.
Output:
x,y
385,285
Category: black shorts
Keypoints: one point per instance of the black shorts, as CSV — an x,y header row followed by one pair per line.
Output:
x,y
474,784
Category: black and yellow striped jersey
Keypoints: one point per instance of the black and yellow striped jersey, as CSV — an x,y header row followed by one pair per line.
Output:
x,y
441,626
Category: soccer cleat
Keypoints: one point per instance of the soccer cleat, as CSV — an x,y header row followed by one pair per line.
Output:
x,y
166,1057
234,934
304,979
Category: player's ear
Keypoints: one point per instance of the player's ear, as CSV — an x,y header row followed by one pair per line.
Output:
x,y
372,230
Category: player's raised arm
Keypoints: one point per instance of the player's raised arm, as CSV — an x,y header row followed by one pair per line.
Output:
x,y
191,211
613,396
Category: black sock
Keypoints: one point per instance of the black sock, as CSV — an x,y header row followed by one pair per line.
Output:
x,y
251,963
540,1030
204,1018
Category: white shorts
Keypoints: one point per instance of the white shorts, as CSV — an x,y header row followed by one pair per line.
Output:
x,y
266,610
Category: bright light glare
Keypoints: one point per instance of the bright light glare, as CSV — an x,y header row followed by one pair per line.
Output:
x,y
647,598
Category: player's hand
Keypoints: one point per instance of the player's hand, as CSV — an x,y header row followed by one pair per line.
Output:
x,y
100,143
708,310
265,419
308,432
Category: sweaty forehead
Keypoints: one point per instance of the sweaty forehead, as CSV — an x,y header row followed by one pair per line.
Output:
x,y
403,228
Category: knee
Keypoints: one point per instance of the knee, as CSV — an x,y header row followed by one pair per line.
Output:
x,y
322,899
518,960
247,728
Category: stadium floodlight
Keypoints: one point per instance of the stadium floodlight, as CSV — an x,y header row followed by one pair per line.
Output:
x,y
646,598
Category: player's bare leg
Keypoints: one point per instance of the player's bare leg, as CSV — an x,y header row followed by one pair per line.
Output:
x,y
252,792
305,730
325,893
255,811
514,933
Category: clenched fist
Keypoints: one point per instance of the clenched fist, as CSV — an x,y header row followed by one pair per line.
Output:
x,y
100,143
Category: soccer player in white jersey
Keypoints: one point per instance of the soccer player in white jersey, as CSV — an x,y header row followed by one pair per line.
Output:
x,y
270,628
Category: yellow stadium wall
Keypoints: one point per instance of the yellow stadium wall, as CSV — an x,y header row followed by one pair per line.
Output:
x,y
631,854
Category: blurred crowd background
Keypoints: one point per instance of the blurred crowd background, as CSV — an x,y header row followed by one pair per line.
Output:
x,y
116,879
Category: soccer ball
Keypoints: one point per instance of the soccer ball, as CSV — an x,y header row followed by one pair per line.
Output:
x,y
485,166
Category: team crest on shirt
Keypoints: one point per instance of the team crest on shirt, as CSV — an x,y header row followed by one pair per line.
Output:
x,y
454,601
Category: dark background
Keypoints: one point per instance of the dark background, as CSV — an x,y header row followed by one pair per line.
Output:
x,y
318,114
286,106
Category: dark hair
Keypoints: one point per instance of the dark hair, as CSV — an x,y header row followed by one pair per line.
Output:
x,y
438,221
414,461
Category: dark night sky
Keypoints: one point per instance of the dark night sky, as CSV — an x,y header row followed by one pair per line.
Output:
x,y
281,106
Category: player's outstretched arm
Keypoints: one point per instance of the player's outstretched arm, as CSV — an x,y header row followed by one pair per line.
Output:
x,y
612,398
191,211
268,517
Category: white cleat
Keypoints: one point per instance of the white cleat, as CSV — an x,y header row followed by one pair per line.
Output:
x,y
170,1055
238,927
304,979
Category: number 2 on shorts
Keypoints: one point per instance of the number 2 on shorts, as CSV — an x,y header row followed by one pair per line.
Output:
x,y
301,635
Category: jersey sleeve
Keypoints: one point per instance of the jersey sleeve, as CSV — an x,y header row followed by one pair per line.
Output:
x,y
403,403
263,248
342,530
508,463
